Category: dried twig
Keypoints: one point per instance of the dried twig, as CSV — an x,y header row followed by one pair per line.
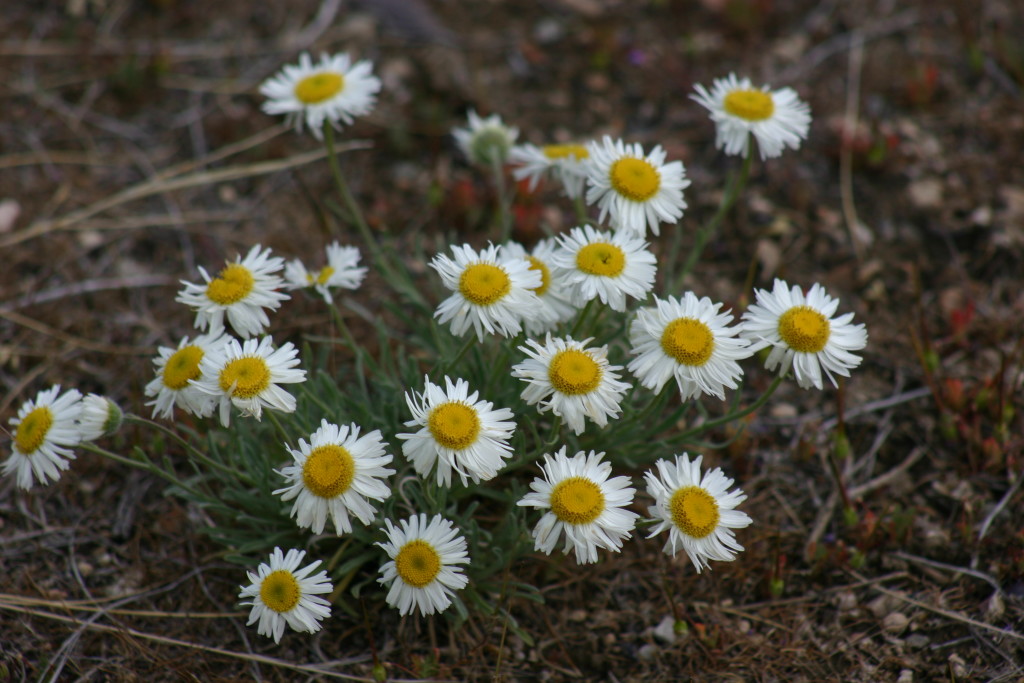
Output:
x,y
160,185
955,616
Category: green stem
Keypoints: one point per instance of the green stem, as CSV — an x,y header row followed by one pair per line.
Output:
x,y
394,275
704,234
357,350
272,416
145,466
190,450
579,203
556,432
470,341
504,203
578,327
736,414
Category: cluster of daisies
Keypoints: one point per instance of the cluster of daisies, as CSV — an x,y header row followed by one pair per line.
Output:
x,y
340,475
210,371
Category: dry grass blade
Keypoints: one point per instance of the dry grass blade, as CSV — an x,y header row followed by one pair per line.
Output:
x,y
259,659
162,185
955,616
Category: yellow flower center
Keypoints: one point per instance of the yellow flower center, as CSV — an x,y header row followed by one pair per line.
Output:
x,y
245,377
33,430
418,563
804,329
329,471
577,500
688,341
324,275
601,258
319,87
578,152
545,274
634,179
454,425
752,105
484,284
574,372
694,511
182,366
280,591
231,285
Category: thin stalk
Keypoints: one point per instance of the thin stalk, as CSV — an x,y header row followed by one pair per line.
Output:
x,y
357,350
190,450
145,466
580,204
278,426
504,200
735,415
578,327
704,234
393,274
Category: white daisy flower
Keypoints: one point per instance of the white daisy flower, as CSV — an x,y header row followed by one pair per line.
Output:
x,y
485,141
567,163
776,118
803,334
100,417
333,90
241,290
280,593
175,370
44,429
582,501
248,374
698,513
571,380
690,340
490,295
422,572
341,271
458,432
636,191
609,266
336,474
554,308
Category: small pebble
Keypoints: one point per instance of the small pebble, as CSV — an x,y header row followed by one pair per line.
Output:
x,y
895,622
917,641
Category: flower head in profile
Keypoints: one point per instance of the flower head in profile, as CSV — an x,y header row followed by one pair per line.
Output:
x,y
554,307
583,500
567,163
100,417
333,90
485,141
423,571
605,266
247,375
175,371
687,339
45,429
803,334
342,271
489,294
457,432
241,291
280,593
335,475
634,190
699,513
571,380
777,119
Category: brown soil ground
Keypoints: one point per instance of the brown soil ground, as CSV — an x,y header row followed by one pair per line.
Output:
x,y
907,201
